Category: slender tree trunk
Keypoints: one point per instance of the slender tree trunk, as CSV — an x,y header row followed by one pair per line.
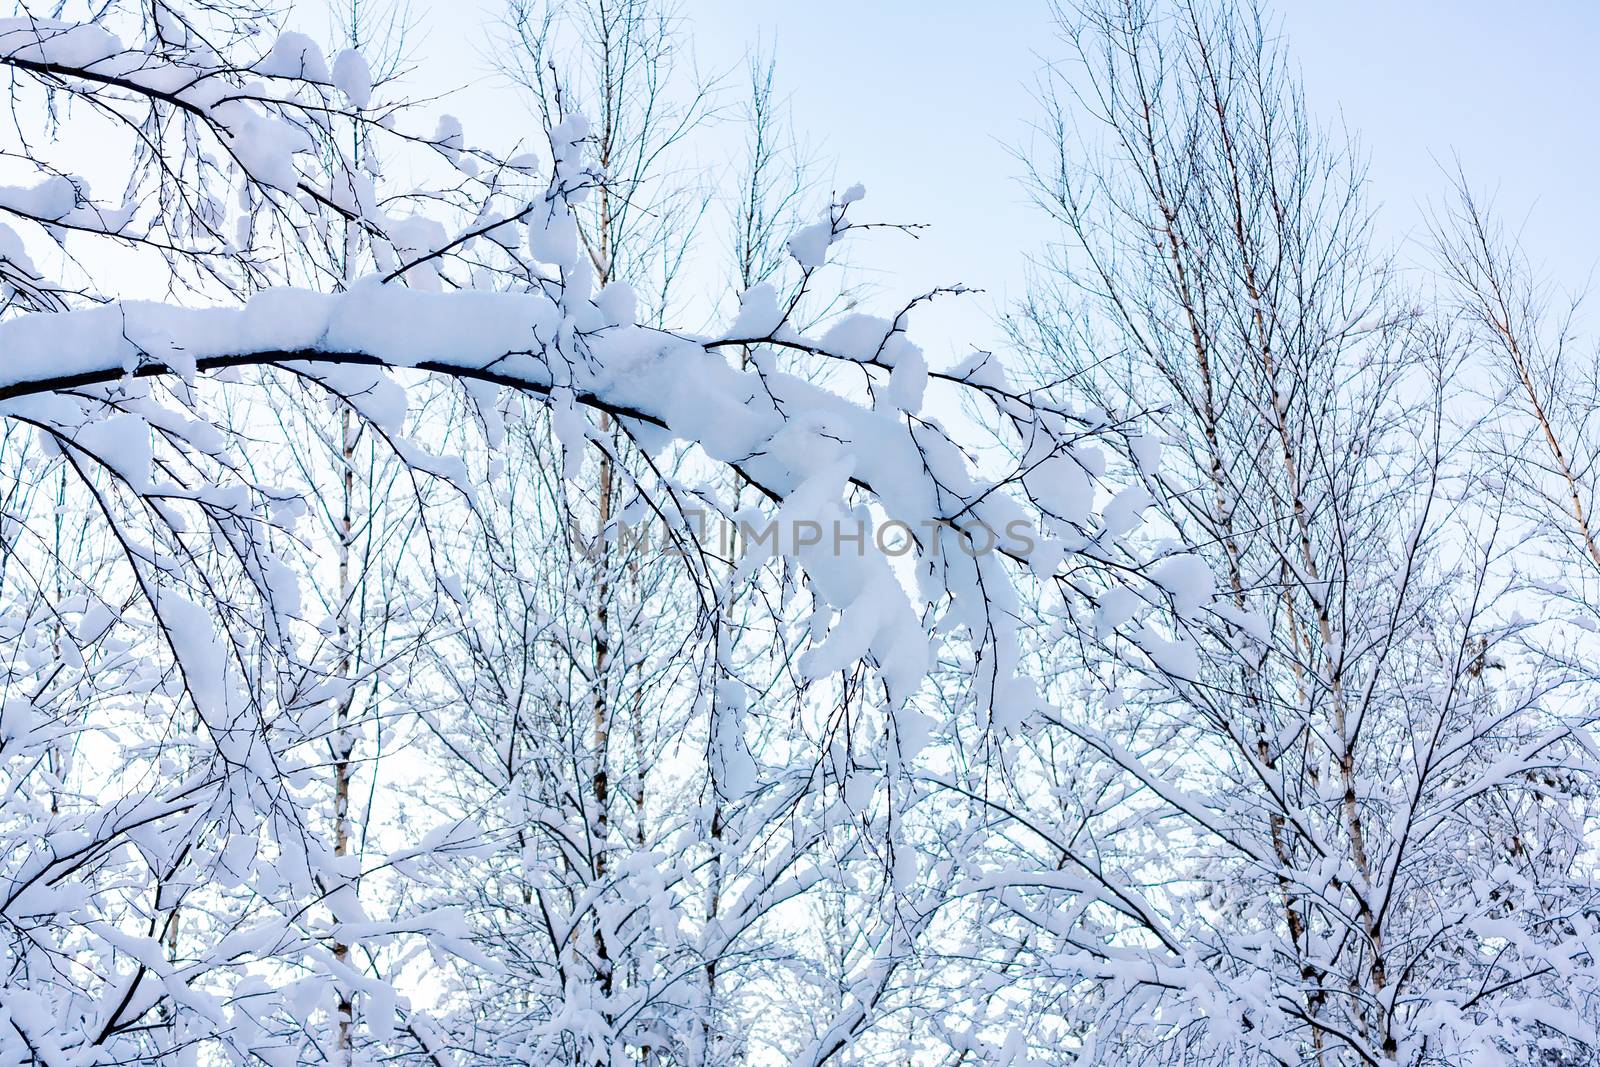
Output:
x,y
343,742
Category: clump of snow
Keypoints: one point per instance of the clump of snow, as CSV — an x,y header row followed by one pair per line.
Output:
x,y
353,77
1187,579
809,246
449,137
294,55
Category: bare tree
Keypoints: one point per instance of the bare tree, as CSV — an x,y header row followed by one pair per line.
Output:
x,y
1340,770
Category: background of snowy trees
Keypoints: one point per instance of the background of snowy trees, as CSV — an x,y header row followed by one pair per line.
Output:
x,y
343,723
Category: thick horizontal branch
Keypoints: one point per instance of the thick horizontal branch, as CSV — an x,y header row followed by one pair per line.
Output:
x,y
152,369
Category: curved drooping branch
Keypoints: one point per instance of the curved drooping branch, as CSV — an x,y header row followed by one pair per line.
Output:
x,y
815,453
56,383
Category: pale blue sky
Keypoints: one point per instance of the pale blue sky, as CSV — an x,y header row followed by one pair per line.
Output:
x,y
921,101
